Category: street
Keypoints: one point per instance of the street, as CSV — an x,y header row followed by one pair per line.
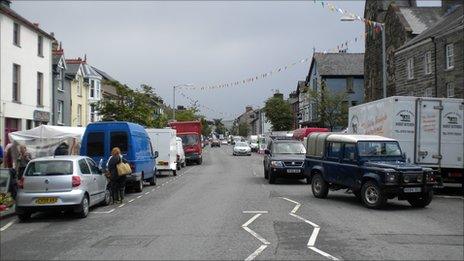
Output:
x,y
225,209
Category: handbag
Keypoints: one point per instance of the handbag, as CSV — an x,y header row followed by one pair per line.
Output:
x,y
123,169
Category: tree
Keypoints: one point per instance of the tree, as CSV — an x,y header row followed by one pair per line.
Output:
x,y
186,115
243,129
127,105
278,113
205,127
331,108
220,128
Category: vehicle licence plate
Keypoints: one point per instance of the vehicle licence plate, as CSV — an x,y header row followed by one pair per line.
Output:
x,y
293,170
412,190
46,200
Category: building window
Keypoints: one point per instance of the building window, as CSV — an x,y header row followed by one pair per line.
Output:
x,y
449,56
40,46
60,112
92,89
39,88
17,34
349,85
428,62
59,80
16,82
428,92
449,90
79,115
410,68
97,89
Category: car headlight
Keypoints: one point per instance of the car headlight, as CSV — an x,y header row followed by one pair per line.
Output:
x,y
406,178
276,164
391,177
420,178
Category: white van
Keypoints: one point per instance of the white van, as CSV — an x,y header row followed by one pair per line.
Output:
x,y
180,154
164,141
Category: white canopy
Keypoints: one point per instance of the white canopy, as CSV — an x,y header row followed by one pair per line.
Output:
x,y
45,139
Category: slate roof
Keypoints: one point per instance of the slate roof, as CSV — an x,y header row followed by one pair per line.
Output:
x,y
452,20
72,68
420,19
89,71
103,74
338,64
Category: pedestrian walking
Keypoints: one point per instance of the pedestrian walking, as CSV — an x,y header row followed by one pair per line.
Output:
x,y
23,158
118,182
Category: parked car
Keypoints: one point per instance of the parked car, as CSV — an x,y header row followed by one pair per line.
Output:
x,y
224,142
284,159
373,167
61,182
215,143
133,141
164,141
241,148
180,154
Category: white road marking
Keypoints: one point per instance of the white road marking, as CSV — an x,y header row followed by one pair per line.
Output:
x,y
316,228
256,235
255,212
7,225
256,253
148,192
122,205
131,200
453,197
104,212
153,190
139,196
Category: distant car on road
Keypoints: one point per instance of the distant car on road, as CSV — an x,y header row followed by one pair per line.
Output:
x,y
61,182
224,142
215,143
373,167
241,148
284,158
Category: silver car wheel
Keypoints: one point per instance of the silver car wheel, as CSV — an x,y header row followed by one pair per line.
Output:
x,y
85,206
371,195
317,185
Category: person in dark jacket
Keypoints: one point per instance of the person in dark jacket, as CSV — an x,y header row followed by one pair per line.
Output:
x,y
118,183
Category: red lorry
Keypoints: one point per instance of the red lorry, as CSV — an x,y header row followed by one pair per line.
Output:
x,y
302,133
190,133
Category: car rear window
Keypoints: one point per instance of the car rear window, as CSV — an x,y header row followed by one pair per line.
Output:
x,y
189,140
50,168
95,144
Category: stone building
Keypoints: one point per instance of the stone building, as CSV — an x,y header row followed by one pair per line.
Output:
x,y
432,64
246,118
403,21
294,104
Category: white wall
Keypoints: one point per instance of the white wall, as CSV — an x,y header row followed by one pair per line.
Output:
x,y
25,56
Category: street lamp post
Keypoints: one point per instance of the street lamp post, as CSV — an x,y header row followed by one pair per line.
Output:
x,y
174,98
384,53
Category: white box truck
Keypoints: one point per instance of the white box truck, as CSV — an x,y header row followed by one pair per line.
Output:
x,y
429,130
164,141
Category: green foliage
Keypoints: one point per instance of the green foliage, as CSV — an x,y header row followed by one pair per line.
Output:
x,y
331,108
279,114
132,105
243,129
186,115
205,127
220,128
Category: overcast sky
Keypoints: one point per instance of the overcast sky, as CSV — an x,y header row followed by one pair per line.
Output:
x,y
164,43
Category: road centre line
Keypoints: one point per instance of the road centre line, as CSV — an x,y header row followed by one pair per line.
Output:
x,y
131,200
139,196
256,253
104,212
251,220
255,212
314,234
122,205
7,225
148,192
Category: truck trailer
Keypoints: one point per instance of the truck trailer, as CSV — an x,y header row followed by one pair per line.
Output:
x,y
430,130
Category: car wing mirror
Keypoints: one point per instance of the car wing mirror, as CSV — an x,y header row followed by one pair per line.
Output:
x,y
156,155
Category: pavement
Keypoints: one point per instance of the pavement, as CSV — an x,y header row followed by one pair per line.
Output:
x,y
224,209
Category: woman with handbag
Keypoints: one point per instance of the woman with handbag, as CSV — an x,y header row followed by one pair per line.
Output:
x,y
118,180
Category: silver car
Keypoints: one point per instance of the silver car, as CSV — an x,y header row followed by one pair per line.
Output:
x,y
61,182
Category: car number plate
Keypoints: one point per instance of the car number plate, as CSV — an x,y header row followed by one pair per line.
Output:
x,y
293,170
46,200
412,190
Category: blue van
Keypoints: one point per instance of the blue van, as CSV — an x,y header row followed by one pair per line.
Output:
x,y
101,137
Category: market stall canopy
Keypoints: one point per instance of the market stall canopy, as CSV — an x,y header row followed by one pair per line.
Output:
x,y
47,140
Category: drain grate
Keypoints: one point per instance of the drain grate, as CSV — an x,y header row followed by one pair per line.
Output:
x,y
126,241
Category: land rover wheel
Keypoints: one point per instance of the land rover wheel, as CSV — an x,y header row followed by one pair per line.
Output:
x,y
421,201
372,196
139,185
319,187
